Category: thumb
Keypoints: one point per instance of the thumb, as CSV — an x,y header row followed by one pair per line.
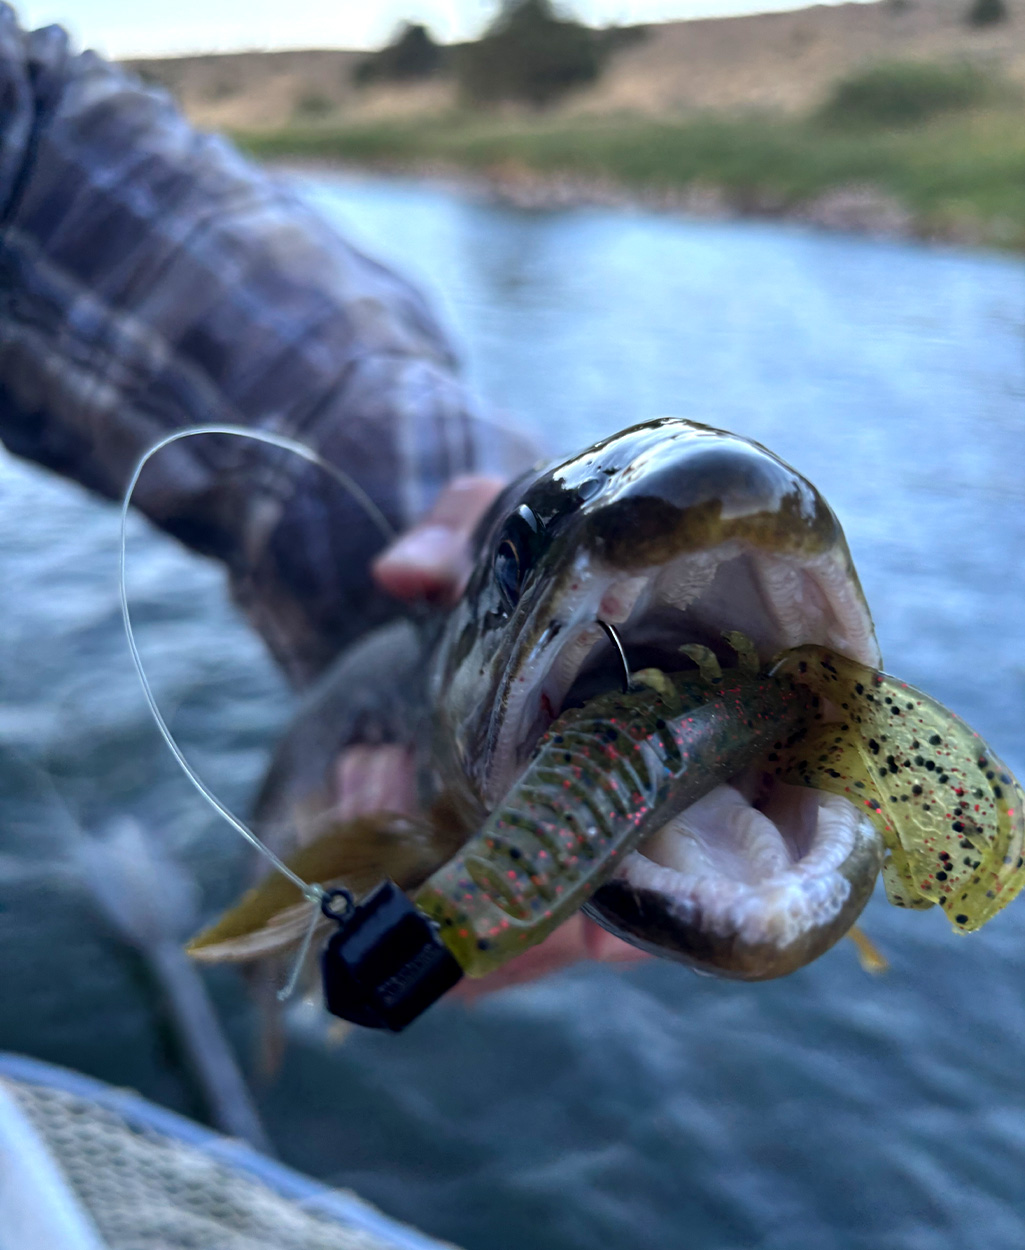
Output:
x,y
433,560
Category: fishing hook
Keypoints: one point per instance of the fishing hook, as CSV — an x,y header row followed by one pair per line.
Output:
x,y
614,638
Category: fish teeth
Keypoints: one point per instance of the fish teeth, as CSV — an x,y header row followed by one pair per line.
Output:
x,y
685,580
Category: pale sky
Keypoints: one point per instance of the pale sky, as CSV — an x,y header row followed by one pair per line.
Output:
x,y
120,28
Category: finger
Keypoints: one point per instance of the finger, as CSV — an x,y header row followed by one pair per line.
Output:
x,y
433,560
563,947
607,949
429,562
577,939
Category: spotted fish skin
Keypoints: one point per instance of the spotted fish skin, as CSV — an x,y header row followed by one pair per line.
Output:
x,y
602,779
951,813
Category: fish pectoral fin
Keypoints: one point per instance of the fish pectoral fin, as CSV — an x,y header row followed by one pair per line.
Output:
x,y
280,934
357,854
870,957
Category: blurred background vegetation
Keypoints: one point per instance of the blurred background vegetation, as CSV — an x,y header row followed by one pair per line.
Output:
x,y
906,115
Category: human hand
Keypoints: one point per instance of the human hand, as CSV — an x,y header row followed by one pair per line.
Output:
x,y
433,560
577,939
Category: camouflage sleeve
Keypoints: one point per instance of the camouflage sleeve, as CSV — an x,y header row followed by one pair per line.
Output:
x,y
150,280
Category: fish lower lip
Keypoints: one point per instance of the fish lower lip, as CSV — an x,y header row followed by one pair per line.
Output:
x,y
725,910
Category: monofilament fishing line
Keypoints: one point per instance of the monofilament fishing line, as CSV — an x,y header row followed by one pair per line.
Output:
x,y
313,893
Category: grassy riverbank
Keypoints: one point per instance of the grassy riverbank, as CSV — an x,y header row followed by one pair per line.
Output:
x,y
959,175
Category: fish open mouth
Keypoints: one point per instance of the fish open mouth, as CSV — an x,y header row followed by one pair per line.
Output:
x,y
757,877
673,533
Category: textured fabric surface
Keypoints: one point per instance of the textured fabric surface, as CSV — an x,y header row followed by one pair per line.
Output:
x,y
144,1191
151,280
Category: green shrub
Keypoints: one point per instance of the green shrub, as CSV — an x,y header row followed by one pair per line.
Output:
x,y
412,54
961,176
313,104
530,55
222,89
987,12
903,93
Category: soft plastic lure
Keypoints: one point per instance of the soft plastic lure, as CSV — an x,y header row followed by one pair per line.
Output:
x,y
603,778
611,773
951,813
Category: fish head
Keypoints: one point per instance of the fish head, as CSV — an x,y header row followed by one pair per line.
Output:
x,y
673,533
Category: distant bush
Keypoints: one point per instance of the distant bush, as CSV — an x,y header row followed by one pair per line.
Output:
x,y
313,104
529,54
222,89
902,93
412,54
987,13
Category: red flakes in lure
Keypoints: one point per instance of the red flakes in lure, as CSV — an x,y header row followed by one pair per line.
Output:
x,y
677,739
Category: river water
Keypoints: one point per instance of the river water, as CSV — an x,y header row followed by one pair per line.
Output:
x,y
601,1108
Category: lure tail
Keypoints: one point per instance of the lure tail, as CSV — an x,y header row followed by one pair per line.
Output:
x,y
950,811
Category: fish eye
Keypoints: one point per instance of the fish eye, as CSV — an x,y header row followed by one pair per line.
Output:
x,y
508,571
515,553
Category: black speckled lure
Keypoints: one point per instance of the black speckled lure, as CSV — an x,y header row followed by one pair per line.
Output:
x,y
608,775
951,813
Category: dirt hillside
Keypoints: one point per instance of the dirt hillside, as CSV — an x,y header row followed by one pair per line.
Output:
x,y
782,61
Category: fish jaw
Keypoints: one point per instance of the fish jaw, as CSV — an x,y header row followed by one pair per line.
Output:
x,y
674,533
749,921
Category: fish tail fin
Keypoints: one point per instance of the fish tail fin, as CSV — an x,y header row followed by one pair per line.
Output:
x,y
273,917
